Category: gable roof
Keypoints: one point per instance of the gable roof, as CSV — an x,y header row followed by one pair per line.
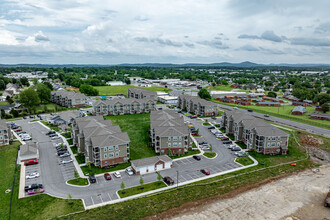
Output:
x,y
150,160
29,148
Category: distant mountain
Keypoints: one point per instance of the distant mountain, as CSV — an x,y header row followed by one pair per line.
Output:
x,y
245,64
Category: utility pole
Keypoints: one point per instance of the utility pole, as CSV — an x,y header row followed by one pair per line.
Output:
x,y
177,178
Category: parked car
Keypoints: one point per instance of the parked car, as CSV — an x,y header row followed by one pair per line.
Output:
x,y
193,116
196,157
107,176
65,155
66,161
33,186
194,134
32,176
50,132
227,142
240,154
250,110
235,148
129,171
202,142
219,135
31,116
211,127
92,179
225,139
59,153
266,115
231,146
26,138
168,180
31,162
35,191
214,118
117,174
55,137
190,126
205,171
24,117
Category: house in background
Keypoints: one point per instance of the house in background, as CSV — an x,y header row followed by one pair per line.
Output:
x,y
298,110
141,94
320,116
66,117
69,99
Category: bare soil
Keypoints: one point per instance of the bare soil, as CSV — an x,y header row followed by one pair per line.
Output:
x,y
294,197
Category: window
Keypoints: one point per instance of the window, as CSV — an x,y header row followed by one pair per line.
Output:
x,y
269,138
179,144
175,144
117,154
169,144
180,138
273,144
105,156
268,144
110,155
273,138
116,147
105,149
278,144
110,148
169,138
175,138
179,150
162,151
279,138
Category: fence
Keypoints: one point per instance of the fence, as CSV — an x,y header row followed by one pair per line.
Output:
x,y
12,187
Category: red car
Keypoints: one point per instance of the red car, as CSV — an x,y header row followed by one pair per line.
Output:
x,y
193,116
107,176
194,134
35,191
205,171
31,162
225,139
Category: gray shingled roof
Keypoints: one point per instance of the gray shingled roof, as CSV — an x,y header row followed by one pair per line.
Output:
x,y
270,131
299,109
110,140
3,124
150,161
29,148
143,91
171,131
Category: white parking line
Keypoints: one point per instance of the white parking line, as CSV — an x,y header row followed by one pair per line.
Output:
x,y
92,200
183,178
109,196
101,197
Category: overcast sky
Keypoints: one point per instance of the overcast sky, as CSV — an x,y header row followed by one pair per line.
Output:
x,y
164,31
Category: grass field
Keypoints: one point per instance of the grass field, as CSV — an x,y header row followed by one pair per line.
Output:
x,y
284,112
136,126
55,128
114,90
220,185
220,88
137,189
7,166
244,161
80,182
4,103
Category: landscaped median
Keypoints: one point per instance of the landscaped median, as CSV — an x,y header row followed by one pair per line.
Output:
x,y
210,154
141,189
78,182
55,128
245,161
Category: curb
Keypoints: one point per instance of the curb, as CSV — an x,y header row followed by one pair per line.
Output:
x,y
66,182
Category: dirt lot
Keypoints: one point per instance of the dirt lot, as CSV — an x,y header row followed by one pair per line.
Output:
x,y
296,197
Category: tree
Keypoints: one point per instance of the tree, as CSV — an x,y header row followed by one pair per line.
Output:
x,y
169,152
3,113
35,81
2,85
159,177
43,92
211,148
29,98
24,81
141,182
48,85
127,81
224,82
9,99
88,90
76,175
322,98
325,107
122,186
204,94
272,94
14,112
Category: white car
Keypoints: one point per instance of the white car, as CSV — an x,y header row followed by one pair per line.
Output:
x,y
66,161
32,176
231,146
129,171
55,137
26,137
65,155
117,174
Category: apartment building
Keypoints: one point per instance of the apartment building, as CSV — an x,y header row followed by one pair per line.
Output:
x,y
123,106
255,133
102,143
197,105
137,93
5,132
69,99
169,132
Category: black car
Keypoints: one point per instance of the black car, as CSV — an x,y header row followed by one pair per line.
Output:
x,y
62,152
250,110
50,132
211,127
52,135
24,117
61,148
201,143
168,180
227,142
33,186
31,116
197,157
92,179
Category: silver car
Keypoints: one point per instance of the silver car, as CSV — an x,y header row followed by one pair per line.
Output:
x,y
32,176
67,161
65,155
129,171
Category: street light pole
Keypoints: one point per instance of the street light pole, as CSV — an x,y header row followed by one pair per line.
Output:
x,y
177,178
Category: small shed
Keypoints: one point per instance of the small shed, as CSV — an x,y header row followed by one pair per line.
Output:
x,y
151,164
298,110
28,151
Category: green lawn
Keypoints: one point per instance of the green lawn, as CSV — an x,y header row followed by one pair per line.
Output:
x,y
113,90
206,124
7,167
284,112
137,189
4,103
55,128
241,144
97,170
79,182
244,161
34,207
70,141
80,158
189,153
74,150
66,135
232,137
209,154
136,126
220,87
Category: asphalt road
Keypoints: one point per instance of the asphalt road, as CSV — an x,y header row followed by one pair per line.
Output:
x,y
53,174
309,128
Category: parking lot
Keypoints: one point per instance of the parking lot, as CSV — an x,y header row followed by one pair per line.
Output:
x,y
32,169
